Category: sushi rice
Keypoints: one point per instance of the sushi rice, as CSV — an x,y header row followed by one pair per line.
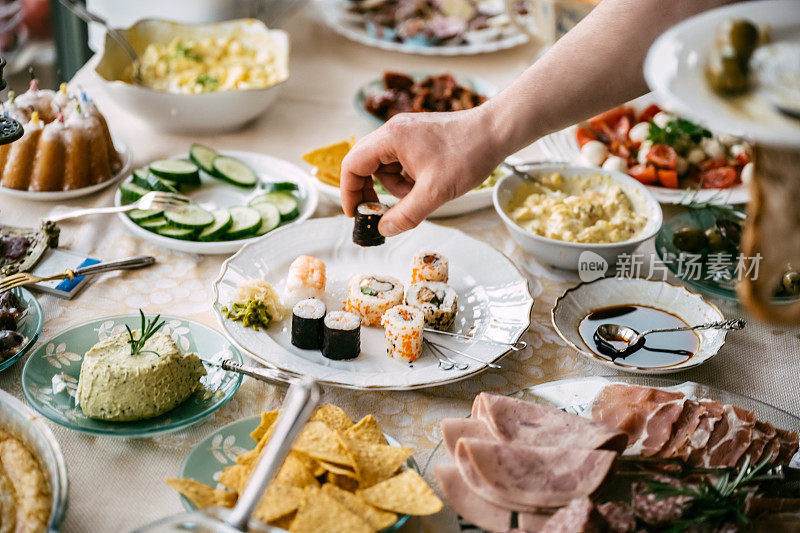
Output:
x,y
371,295
438,302
429,266
403,328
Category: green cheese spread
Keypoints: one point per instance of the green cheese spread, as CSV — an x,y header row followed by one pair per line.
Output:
x,y
115,385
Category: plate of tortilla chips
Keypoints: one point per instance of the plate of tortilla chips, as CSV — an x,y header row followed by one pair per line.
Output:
x,y
327,163
340,476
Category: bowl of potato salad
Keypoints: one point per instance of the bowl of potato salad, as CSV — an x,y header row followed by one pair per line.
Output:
x,y
196,77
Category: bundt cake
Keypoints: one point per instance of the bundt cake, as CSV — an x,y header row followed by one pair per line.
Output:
x,y
66,144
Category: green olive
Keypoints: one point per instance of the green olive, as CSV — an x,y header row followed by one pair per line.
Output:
x,y
688,239
790,283
716,242
742,35
726,73
731,230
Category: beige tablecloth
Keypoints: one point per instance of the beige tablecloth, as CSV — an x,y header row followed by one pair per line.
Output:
x,y
117,484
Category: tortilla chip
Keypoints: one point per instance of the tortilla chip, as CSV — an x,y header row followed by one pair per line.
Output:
x,y
267,419
328,179
323,444
376,462
295,472
339,469
202,496
279,500
235,477
333,417
366,430
375,517
328,159
345,482
320,512
284,522
405,493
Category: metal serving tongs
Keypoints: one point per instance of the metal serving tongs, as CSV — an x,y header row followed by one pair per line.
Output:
x,y
300,402
269,375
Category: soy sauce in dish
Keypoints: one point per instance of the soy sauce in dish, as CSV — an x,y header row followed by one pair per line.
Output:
x,y
657,351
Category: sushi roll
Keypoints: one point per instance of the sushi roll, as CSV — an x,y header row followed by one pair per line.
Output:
x,y
307,323
437,301
306,279
402,326
341,335
429,266
365,226
371,295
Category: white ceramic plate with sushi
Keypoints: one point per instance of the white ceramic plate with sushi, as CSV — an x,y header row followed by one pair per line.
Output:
x,y
494,302
56,196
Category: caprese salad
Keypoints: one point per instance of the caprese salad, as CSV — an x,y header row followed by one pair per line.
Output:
x,y
661,149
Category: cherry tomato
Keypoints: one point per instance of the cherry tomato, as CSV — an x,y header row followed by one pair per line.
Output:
x,y
742,158
584,135
668,178
644,174
717,162
649,112
663,156
718,178
613,115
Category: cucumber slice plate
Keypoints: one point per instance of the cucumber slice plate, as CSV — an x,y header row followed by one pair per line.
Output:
x,y
270,217
246,222
154,224
143,215
178,170
234,171
222,223
285,202
189,216
279,186
203,156
184,234
131,192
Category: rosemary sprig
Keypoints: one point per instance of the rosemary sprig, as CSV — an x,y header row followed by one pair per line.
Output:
x,y
148,329
714,204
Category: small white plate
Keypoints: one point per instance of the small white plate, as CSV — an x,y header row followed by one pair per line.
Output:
x,y
216,194
493,301
578,302
334,13
675,63
56,196
563,146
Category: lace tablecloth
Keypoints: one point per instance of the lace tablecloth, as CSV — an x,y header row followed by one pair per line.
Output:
x,y
116,485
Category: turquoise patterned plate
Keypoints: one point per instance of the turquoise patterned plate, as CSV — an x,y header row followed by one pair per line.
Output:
x,y
29,324
220,449
50,377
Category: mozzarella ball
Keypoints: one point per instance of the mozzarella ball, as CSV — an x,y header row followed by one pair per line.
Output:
x,y
696,156
712,147
661,118
747,172
728,139
682,165
615,164
738,149
594,153
641,157
639,132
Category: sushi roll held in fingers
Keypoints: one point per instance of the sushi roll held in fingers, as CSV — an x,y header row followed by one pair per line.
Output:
x,y
306,279
429,266
365,226
438,302
371,295
341,335
402,326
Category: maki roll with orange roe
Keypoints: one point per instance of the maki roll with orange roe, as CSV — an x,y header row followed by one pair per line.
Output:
x,y
403,326
429,266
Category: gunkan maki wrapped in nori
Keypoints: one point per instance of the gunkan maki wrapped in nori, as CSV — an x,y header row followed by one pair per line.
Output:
x,y
365,226
307,323
341,335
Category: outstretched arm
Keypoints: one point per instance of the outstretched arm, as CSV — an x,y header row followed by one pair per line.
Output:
x,y
429,158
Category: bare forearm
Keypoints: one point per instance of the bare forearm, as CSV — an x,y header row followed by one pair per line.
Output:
x,y
596,66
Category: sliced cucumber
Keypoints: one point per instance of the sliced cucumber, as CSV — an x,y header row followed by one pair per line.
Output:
x,y
285,202
222,223
234,171
270,217
203,156
246,222
140,177
154,224
143,215
184,234
189,216
177,170
279,186
131,192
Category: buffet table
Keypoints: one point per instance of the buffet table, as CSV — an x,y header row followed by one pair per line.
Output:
x,y
117,484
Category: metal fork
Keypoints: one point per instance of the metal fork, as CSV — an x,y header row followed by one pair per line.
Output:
x,y
26,278
445,363
152,200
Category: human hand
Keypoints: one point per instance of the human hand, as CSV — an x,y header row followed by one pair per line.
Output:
x,y
425,159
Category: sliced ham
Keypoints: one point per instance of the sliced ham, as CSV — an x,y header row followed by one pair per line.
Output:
x,y
468,504
693,451
521,422
456,428
772,449
532,522
730,439
788,445
683,429
529,478
579,516
763,432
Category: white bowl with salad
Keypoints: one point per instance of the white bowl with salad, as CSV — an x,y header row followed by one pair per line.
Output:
x,y
236,197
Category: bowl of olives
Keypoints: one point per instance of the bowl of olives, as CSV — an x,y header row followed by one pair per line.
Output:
x,y
701,247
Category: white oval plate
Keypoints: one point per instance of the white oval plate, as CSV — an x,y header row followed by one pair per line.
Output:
x,y
215,194
55,196
334,14
493,299
676,60
563,146
579,301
